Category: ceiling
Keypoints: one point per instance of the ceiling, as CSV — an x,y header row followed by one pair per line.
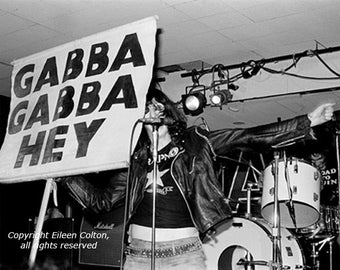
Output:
x,y
192,31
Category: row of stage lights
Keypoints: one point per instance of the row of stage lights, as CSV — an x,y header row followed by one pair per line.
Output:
x,y
195,98
195,101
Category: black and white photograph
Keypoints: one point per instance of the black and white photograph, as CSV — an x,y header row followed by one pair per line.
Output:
x,y
169,135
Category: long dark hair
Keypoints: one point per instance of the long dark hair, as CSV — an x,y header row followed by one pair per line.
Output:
x,y
176,130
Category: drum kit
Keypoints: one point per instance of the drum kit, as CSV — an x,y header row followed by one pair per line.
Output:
x,y
292,231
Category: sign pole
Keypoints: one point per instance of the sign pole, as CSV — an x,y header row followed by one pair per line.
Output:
x,y
40,222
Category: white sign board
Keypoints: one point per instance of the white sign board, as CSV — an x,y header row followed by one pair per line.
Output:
x,y
73,107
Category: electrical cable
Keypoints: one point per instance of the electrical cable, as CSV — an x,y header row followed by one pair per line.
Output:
x,y
326,65
269,70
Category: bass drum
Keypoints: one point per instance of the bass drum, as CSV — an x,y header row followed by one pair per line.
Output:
x,y
238,240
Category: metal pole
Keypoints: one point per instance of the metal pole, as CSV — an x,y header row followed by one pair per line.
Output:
x,y
331,255
223,177
249,187
154,190
337,134
276,214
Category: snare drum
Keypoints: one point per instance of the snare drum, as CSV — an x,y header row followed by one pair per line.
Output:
x,y
304,180
327,225
239,239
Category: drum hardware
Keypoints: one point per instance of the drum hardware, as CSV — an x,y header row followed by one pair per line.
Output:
x,y
247,263
211,235
249,189
223,176
331,219
269,264
277,260
289,203
316,250
337,145
316,231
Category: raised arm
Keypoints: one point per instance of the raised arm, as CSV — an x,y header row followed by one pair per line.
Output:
x,y
262,137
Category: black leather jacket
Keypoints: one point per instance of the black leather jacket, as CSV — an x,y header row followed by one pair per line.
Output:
x,y
192,170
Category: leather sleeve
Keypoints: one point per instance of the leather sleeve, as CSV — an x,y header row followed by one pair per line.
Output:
x,y
260,137
96,199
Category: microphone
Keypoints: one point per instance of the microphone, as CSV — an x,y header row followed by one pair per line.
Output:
x,y
157,121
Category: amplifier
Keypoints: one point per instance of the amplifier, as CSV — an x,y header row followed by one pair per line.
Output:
x,y
100,238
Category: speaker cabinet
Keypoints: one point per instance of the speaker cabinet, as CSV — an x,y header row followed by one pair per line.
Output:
x,y
102,235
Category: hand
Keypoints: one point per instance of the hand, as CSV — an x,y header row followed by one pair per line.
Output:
x,y
321,114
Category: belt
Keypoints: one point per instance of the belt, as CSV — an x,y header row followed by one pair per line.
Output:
x,y
162,234
164,252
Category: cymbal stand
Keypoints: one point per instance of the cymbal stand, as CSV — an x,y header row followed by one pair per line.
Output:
x,y
330,255
249,187
338,160
277,260
289,202
223,176
315,257
315,253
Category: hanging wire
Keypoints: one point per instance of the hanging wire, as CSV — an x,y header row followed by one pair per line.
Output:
x,y
295,61
282,72
325,64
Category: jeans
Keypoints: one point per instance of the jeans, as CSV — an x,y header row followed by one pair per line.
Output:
x,y
191,260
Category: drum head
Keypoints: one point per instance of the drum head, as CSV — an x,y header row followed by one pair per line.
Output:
x,y
239,241
298,216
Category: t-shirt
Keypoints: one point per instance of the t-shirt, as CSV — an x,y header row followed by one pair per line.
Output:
x,y
171,209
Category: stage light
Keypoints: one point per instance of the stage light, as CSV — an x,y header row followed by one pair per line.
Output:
x,y
220,98
194,103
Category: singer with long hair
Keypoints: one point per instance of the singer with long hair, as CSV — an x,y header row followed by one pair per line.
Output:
x,y
189,199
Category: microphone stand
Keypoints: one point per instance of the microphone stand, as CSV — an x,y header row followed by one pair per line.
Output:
x,y
154,191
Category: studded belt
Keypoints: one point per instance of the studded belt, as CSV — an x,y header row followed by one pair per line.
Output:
x,y
164,252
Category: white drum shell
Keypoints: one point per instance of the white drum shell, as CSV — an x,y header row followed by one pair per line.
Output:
x,y
240,235
305,185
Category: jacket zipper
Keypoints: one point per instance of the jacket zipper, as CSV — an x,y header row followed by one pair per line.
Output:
x,y
208,142
181,191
